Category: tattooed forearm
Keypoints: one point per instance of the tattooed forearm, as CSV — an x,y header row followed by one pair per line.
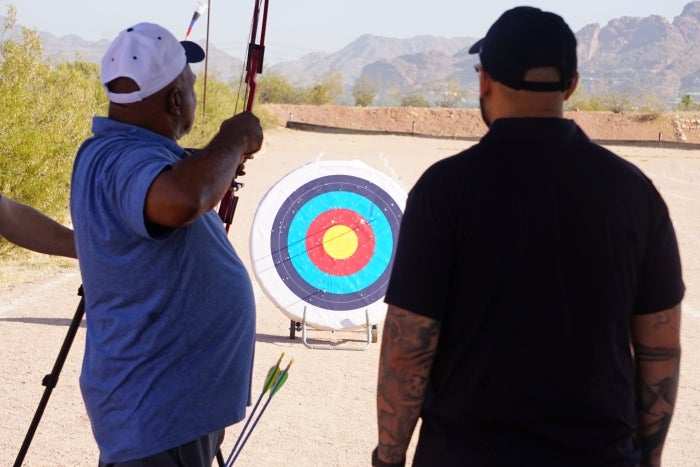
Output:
x,y
656,398
409,342
656,342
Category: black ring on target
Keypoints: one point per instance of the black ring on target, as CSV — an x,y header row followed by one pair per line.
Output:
x,y
289,233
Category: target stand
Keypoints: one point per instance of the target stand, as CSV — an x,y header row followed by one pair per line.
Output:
x,y
322,246
370,332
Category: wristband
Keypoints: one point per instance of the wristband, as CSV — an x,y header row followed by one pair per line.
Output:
x,y
378,463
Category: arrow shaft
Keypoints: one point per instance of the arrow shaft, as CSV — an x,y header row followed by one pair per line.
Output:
x,y
271,380
240,436
247,436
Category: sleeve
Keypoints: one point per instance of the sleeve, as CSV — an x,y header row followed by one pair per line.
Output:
x,y
426,251
661,285
130,181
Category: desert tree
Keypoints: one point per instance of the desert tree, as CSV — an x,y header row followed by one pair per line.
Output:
x,y
451,94
275,88
414,99
365,90
687,104
327,91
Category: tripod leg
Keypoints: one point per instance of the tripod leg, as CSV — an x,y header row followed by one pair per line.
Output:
x,y
51,379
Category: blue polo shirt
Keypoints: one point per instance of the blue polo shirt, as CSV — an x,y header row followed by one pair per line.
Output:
x,y
170,318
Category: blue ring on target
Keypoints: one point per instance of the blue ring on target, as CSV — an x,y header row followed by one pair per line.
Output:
x,y
290,228
322,280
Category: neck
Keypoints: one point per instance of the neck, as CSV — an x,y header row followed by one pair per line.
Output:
x,y
510,103
142,116
505,102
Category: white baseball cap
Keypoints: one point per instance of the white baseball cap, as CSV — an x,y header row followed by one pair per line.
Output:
x,y
148,54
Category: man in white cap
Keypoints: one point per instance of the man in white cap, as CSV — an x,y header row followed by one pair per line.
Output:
x,y
543,328
169,305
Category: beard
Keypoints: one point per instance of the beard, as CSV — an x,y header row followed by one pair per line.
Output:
x,y
483,113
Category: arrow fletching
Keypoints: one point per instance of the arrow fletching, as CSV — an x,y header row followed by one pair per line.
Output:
x,y
279,384
272,375
282,379
201,7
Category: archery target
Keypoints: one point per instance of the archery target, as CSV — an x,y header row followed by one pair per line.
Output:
x,y
323,242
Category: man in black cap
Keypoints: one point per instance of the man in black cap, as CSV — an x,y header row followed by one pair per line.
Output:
x,y
169,304
534,302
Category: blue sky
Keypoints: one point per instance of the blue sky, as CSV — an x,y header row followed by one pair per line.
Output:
x,y
298,27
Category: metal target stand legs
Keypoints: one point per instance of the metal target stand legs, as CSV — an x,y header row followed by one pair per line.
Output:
x,y
370,331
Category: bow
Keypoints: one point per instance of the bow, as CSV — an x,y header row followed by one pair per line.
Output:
x,y
254,67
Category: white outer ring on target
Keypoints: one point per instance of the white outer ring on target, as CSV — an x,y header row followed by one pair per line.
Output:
x,y
261,256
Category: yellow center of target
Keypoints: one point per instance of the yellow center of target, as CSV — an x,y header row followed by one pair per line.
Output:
x,y
340,242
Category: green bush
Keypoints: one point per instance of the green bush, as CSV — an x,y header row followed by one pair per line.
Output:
x,y
275,89
44,115
220,103
648,105
687,104
414,100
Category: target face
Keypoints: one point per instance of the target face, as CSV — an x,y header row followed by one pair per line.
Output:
x,y
323,243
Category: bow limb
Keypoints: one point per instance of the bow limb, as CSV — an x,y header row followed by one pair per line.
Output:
x,y
254,66
256,51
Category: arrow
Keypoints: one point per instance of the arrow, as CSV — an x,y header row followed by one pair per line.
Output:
x,y
199,11
274,381
271,376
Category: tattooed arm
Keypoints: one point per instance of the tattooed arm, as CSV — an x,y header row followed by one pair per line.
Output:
x,y
409,342
657,350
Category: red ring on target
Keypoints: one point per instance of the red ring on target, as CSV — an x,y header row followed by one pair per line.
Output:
x,y
340,242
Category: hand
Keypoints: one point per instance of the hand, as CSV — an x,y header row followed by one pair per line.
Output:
x,y
242,131
241,167
377,462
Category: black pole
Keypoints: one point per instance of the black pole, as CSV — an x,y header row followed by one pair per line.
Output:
x,y
51,379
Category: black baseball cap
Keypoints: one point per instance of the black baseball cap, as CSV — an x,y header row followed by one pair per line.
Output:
x,y
524,38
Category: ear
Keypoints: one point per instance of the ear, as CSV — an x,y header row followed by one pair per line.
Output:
x,y
175,101
572,88
485,83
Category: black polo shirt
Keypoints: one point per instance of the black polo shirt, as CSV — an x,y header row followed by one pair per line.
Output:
x,y
533,249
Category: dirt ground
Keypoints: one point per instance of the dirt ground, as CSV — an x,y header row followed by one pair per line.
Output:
x,y
325,414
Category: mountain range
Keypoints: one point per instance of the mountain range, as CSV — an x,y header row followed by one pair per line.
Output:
x,y
649,56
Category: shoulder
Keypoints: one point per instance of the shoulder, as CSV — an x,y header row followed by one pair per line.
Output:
x,y
128,147
615,166
457,165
